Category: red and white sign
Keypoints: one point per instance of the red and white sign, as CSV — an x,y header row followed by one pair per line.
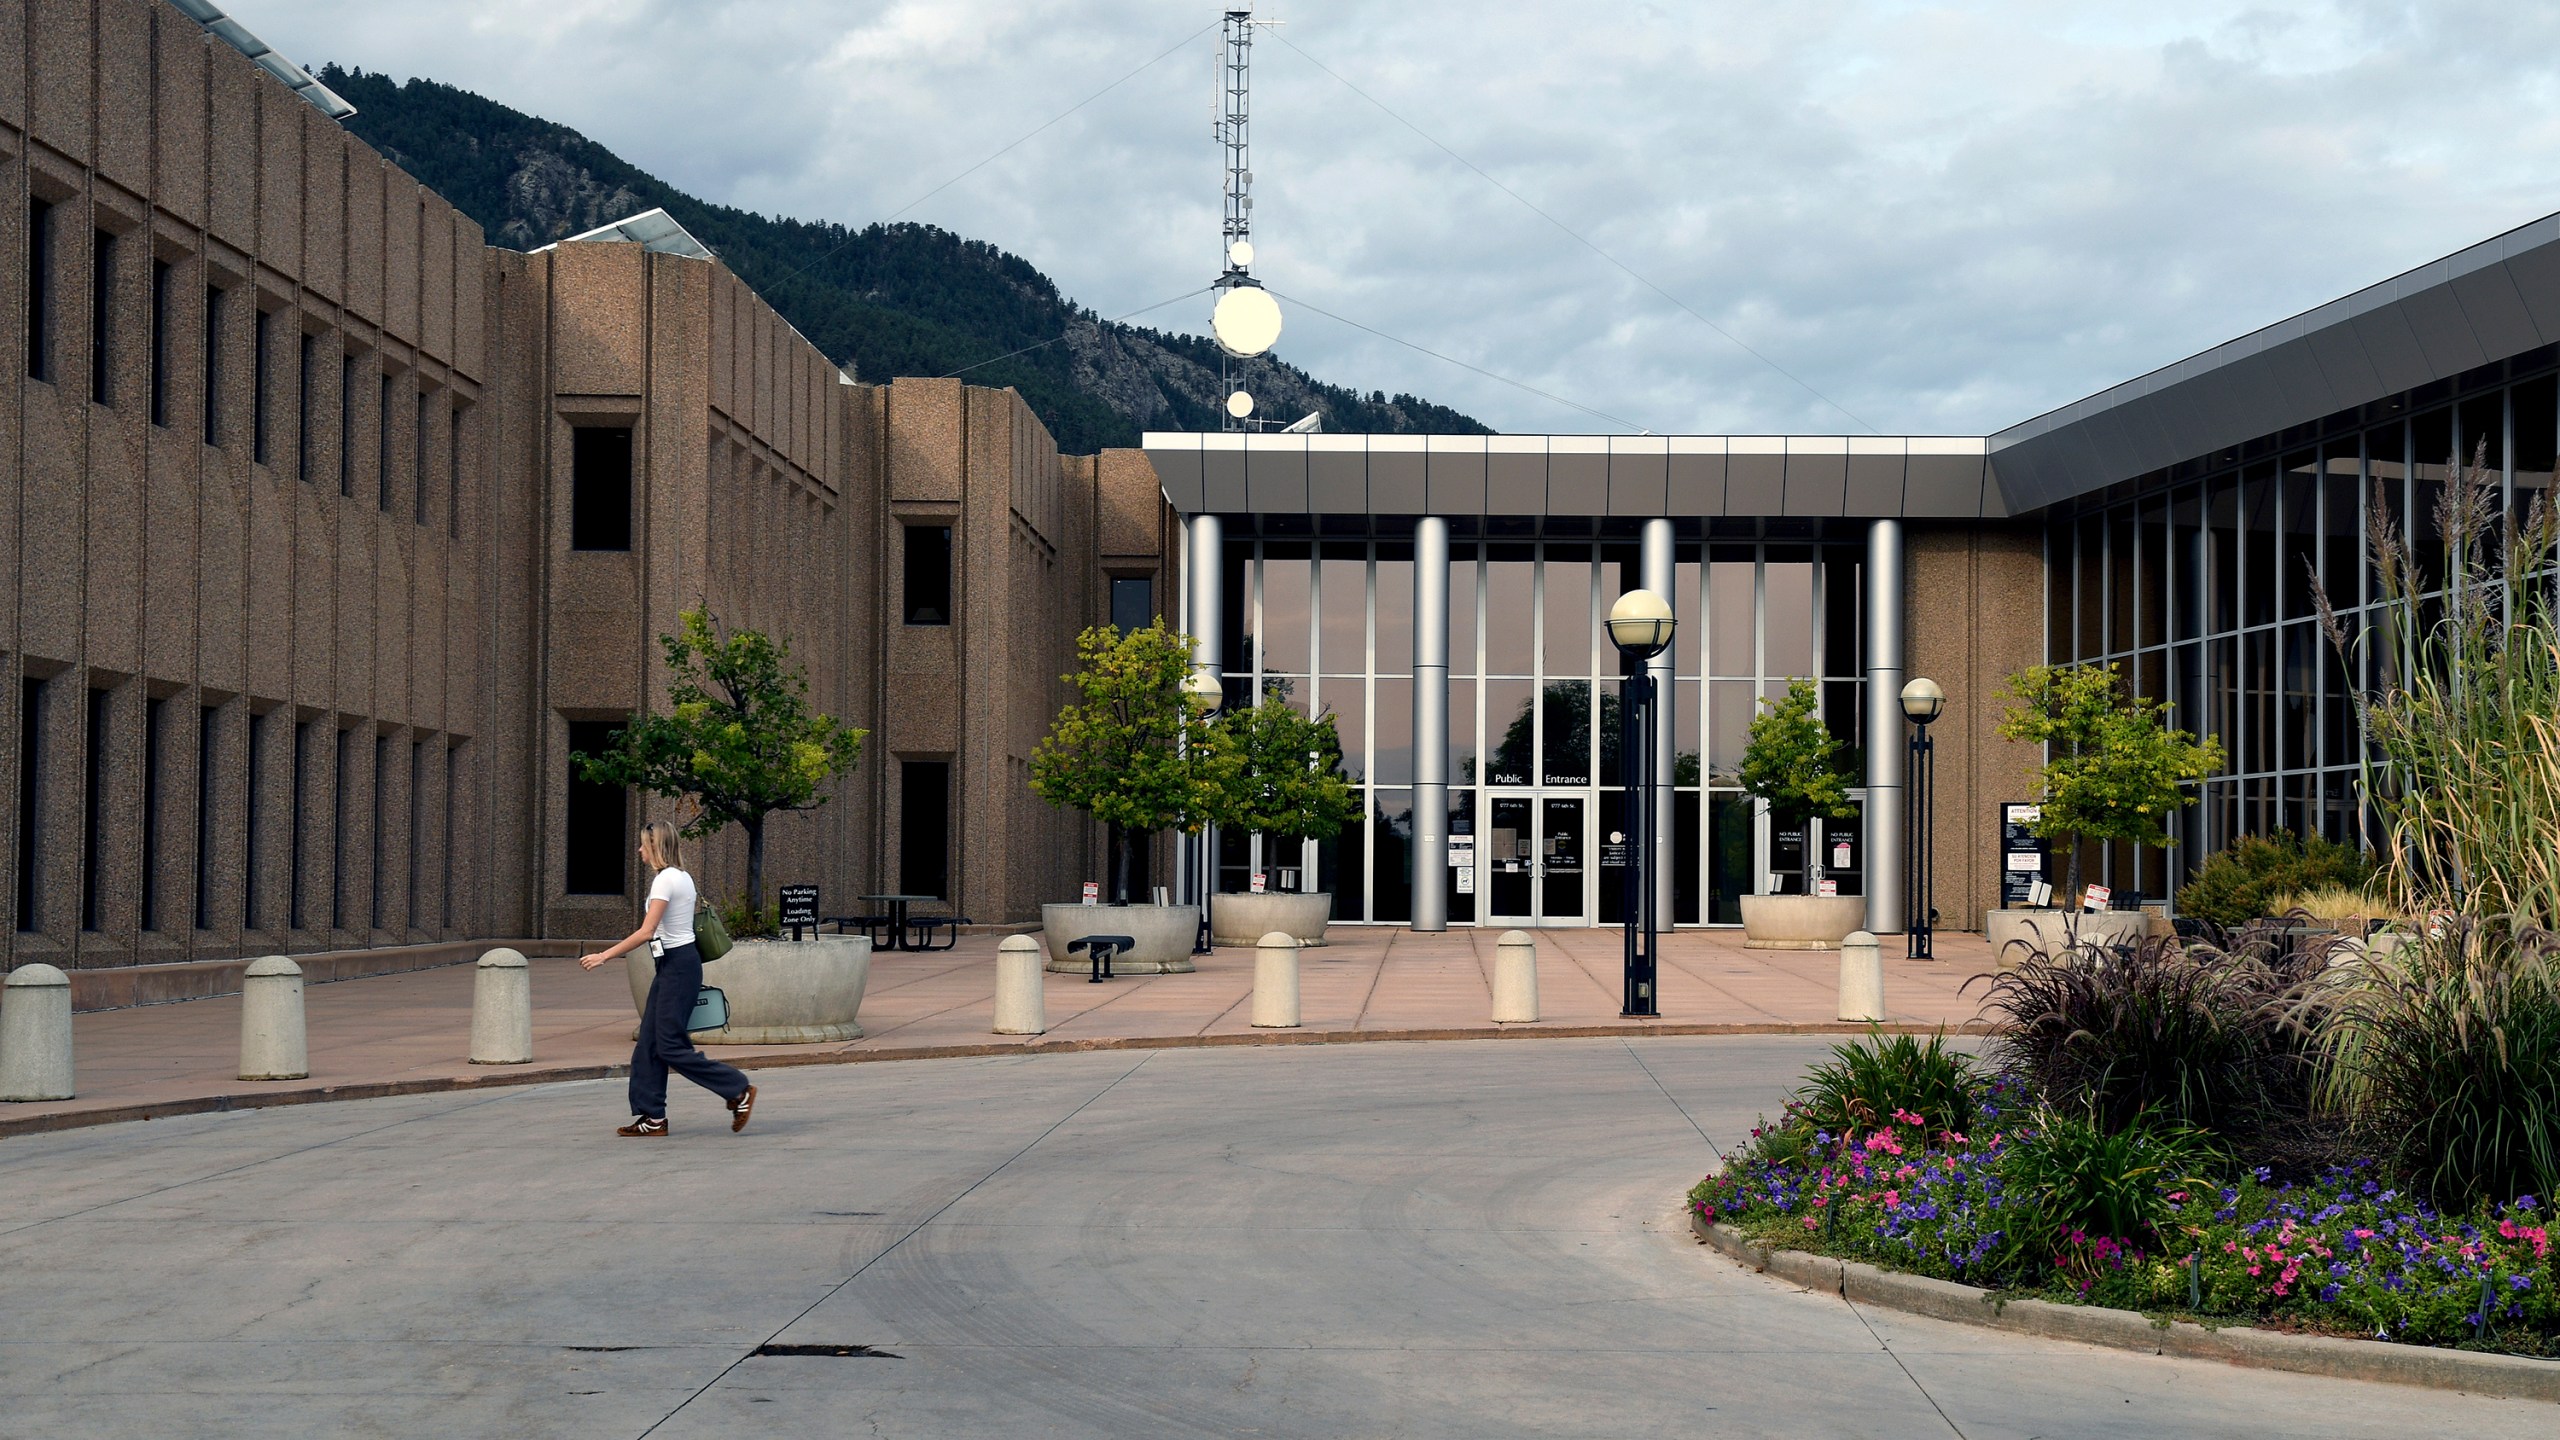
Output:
x,y
1093,892
1827,889
2096,897
1258,883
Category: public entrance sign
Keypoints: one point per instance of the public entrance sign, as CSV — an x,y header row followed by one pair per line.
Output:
x,y
2021,854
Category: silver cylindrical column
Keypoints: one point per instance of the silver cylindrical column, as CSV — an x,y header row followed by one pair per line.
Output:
x,y
1660,574
1431,723
1882,586
1203,603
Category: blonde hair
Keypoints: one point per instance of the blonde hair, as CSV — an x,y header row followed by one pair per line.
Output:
x,y
659,839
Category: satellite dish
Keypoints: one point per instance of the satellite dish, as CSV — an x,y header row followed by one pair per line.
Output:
x,y
1240,255
1239,404
1246,321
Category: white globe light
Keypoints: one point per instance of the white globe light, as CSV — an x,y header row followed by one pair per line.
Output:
x,y
1240,254
1239,404
1246,321
1640,623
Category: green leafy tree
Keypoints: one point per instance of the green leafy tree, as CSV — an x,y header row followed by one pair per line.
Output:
x,y
738,738
2113,764
1132,753
1282,772
1793,760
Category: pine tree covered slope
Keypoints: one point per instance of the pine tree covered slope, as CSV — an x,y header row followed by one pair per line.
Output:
x,y
889,300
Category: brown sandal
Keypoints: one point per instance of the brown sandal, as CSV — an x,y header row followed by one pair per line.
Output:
x,y
643,1125
740,1109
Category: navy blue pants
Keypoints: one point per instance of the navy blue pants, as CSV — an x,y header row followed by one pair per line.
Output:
x,y
665,1046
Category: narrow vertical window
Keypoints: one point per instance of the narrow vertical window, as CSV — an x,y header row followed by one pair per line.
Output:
x,y
924,827
928,575
304,384
338,833
261,390
425,410
206,737
381,827
382,443
102,314
213,298
600,489
255,780
30,788
93,816
155,720
453,477
162,276
39,289
452,790
301,799
347,426
1133,603
598,816
417,827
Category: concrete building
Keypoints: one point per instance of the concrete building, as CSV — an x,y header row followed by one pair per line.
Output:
x,y
329,532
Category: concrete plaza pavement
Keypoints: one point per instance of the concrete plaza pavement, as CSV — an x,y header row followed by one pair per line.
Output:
x,y
1465,1238
413,1029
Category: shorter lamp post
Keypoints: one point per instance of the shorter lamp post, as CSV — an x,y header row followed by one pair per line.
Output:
x,y
1640,626
1204,694
1922,701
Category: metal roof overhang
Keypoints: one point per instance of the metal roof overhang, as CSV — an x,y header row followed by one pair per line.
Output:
x,y
1814,476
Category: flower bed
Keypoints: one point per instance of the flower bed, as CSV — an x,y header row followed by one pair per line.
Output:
x,y
2344,1254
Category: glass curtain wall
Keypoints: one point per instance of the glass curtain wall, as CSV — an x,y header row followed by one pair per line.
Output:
x,y
2202,585
1533,712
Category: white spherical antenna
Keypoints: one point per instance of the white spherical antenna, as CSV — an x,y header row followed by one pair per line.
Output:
x,y
1240,254
1246,320
1239,404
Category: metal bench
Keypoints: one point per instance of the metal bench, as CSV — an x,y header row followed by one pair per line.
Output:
x,y
869,925
920,930
1102,948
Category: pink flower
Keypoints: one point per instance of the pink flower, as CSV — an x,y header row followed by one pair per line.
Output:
x,y
1892,1198
1808,1222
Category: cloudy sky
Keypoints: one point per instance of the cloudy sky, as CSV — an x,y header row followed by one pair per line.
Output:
x,y
1935,218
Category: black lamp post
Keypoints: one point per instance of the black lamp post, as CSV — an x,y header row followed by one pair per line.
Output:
x,y
1640,626
1922,700
1205,695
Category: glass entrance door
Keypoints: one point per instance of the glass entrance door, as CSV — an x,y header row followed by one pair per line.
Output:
x,y
1534,862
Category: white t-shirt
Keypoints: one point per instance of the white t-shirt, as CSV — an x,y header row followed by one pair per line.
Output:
x,y
676,888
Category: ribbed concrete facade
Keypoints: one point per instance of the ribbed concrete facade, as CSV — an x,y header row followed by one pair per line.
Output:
x,y
288,593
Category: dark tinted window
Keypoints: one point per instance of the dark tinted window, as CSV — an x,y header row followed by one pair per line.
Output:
x,y
1133,603
598,814
928,580
600,493
924,827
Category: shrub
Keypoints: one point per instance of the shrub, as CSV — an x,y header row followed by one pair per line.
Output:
x,y
747,922
1868,1082
2200,1037
2106,1181
2244,879
2445,1053
2333,904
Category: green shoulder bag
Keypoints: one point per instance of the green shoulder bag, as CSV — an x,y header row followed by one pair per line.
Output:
x,y
709,934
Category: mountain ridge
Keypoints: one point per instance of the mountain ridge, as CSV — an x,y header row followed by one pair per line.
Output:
x,y
884,300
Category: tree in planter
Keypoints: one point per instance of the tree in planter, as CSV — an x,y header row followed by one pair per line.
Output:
x,y
1132,753
738,738
1793,761
1283,772
2113,765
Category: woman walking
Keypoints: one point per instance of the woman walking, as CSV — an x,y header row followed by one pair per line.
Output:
x,y
667,929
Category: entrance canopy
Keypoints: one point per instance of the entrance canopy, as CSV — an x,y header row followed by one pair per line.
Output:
x,y
1814,476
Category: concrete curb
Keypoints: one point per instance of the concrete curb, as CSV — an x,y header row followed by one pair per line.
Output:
x,y
267,1098
2511,1377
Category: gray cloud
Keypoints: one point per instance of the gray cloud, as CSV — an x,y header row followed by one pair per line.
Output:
x,y
1946,218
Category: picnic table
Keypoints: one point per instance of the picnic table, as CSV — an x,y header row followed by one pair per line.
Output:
x,y
898,915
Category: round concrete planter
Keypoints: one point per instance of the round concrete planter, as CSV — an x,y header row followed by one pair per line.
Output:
x,y
1164,936
1800,922
2052,930
1245,919
779,993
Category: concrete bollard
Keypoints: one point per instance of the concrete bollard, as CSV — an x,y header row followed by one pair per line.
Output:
x,y
502,1009
1861,977
1021,1004
35,1034
1275,981
1515,978
273,1044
